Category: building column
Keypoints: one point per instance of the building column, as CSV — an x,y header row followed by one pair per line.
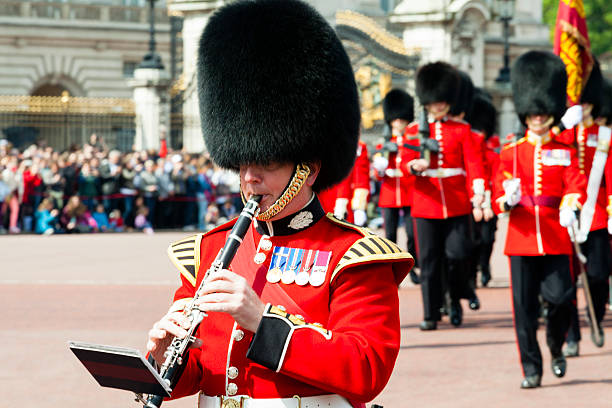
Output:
x,y
152,106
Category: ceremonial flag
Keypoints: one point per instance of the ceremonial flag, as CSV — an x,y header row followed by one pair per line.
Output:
x,y
572,45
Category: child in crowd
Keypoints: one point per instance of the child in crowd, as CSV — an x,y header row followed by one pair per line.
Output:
x,y
101,218
116,221
141,222
75,217
46,217
213,216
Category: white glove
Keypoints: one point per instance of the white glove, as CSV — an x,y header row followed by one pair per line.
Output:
x,y
567,217
572,116
609,225
340,208
380,163
360,217
512,188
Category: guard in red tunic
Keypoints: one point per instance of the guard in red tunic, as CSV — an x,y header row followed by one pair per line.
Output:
x,y
391,165
460,111
540,184
593,145
348,200
444,188
307,313
483,122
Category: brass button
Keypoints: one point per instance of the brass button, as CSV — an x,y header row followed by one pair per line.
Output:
x,y
265,244
238,335
232,389
232,373
230,403
260,258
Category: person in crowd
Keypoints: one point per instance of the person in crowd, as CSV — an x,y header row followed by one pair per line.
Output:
x,y
164,216
4,193
89,186
31,180
289,122
128,190
540,184
70,173
141,222
204,192
178,179
12,179
115,221
190,217
46,217
101,218
54,184
76,218
148,184
110,174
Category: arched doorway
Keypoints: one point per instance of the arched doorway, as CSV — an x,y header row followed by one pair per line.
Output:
x,y
49,90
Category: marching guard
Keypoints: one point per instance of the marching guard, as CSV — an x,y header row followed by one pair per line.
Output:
x,y
540,184
445,186
348,200
307,313
483,122
391,165
593,145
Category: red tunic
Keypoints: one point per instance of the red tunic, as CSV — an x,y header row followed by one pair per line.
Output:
x,y
396,189
358,178
345,335
444,197
549,173
585,138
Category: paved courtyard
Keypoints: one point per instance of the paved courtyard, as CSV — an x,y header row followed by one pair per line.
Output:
x,y
110,288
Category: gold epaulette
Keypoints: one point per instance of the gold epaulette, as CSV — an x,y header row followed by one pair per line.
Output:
x,y
367,249
185,255
512,144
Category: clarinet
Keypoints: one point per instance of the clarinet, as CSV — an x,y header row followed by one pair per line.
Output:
x,y
178,348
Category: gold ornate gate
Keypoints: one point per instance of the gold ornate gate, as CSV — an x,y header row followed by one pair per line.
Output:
x,y
63,121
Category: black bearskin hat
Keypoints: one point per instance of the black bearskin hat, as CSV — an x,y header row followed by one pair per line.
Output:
x,y
437,82
605,109
276,85
463,103
398,104
539,83
592,92
483,116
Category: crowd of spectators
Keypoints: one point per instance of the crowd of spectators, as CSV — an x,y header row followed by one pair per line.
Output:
x,y
91,188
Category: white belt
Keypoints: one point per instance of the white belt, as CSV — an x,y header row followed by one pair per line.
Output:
x,y
442,172
242,401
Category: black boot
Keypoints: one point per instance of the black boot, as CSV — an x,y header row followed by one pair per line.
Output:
x,y
485,275
414,277
558,365
427,325
456,314
531,381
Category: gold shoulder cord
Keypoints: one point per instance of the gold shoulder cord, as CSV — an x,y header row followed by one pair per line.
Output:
x,y
299,178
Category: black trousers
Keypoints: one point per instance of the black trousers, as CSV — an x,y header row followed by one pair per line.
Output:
x,y
548,276
442,242
391,218
599,263
485,238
